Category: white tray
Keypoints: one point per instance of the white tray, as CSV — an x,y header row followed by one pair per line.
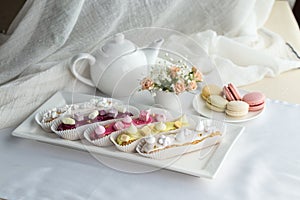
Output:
x,y
192,163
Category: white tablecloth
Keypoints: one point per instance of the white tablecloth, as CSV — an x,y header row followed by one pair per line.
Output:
x,y
263,164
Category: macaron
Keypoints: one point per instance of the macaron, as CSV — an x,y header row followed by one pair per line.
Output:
x,y
256,100
119,125
237,108
100,131
216,103
210,90
127,120
231,93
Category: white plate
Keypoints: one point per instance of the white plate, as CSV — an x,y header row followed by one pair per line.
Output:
x,y
200,106
193,163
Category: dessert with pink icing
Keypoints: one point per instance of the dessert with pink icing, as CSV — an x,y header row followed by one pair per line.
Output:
x,y
45,118
144,118
80,119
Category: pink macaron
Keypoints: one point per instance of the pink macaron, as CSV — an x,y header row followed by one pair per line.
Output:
x,y
256,100
231,93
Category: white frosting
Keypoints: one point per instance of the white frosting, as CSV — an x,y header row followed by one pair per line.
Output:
x,y
61,110
84,105
150,139
207,125
93,101
78,116
103,102
161,139
180,137
200,126
68,121
167,141
75,107
160,126
93,114
184,119
54,114
160,117
121,109
164,140
132,129
89,105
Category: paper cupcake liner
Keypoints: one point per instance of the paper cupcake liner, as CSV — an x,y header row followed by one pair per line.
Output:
x,y
46,126
78,133
105,141
71,134
132,146
180,150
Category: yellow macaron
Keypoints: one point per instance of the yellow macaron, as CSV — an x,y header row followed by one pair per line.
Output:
x,y
210,90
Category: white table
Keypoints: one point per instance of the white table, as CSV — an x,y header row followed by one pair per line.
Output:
x,y
263,164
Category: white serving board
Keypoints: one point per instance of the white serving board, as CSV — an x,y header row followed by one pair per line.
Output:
x,y
194,164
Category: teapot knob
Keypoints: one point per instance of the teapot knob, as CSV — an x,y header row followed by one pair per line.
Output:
x,y
119,38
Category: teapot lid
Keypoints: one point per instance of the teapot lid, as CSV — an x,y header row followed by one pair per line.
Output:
x,y
118,46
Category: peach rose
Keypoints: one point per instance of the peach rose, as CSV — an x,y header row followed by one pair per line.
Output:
x,y
198,76
174,71
194,69
179,87
193,85
147,83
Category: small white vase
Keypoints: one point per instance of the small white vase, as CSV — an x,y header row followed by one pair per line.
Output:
x,y
168,100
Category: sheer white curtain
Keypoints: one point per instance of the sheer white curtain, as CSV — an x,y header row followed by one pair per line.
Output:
x,y
46,34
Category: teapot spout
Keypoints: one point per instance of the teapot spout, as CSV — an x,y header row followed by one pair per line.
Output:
x,y
152,51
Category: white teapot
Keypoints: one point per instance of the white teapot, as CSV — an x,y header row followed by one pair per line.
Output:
x,y
117,65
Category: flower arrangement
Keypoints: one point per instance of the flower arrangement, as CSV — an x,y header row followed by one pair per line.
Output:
x,y
175,78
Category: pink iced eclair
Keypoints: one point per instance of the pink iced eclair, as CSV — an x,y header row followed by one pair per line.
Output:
x,y
101,131
231,93
256,101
